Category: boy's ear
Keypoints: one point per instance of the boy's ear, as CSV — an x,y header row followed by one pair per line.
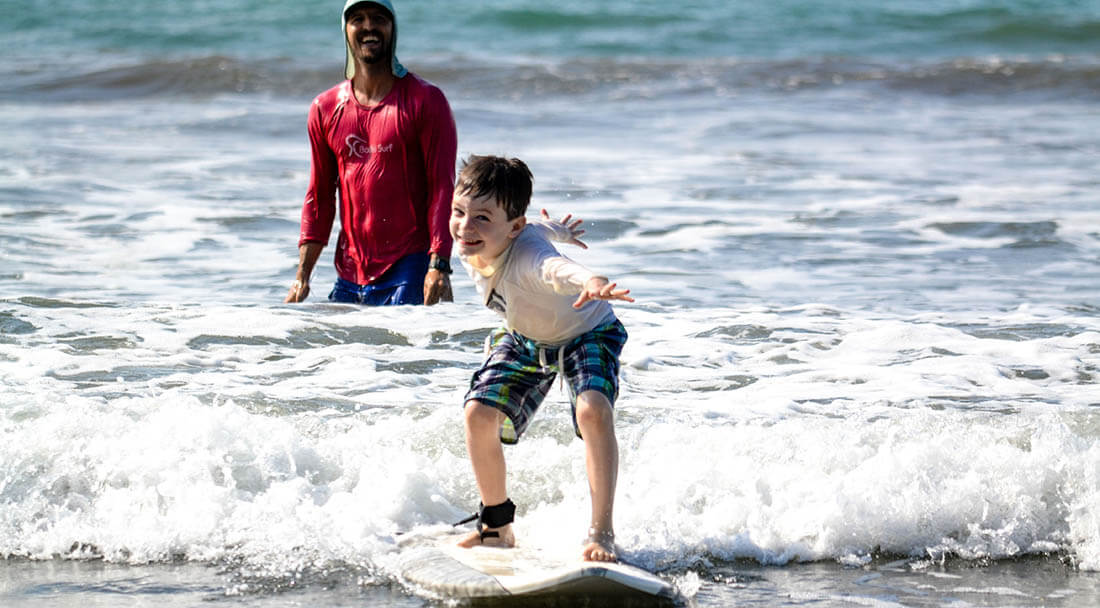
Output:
x,y
517,226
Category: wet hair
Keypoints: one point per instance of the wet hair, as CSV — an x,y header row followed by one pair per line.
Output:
x,y
507,180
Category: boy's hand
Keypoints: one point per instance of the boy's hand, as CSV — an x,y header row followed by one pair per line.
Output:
x,y
572,225
599,288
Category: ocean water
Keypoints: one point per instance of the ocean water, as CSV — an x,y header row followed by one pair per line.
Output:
x,y
863,367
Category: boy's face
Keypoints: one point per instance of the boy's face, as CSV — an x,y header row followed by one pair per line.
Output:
x,y
481,229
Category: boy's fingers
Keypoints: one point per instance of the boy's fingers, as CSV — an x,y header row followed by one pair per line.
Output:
x,y
618,294
607,292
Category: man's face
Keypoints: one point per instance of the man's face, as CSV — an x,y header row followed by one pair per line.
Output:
x,y
369,29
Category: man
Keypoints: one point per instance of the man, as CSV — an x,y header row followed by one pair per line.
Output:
x,y
387,140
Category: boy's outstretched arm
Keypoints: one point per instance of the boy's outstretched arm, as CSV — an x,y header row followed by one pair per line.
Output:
x,y
599,288
568,230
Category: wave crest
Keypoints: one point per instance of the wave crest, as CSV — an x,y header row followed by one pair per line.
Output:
x,y
1056,76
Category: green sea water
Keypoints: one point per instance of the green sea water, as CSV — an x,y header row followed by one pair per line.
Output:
x,y
81,30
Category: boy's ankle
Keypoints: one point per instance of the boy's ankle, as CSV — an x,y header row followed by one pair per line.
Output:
x,y
597,535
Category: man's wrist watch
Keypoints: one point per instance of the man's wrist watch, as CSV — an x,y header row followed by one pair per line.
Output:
x,y
441,264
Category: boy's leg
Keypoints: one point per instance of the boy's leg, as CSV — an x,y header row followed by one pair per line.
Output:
x,y
487,457
596,422
510,385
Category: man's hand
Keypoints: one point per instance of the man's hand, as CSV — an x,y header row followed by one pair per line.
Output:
x,y
299,291
437,287
599,288
307,259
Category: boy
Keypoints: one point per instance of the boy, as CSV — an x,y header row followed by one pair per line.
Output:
x,y
557,319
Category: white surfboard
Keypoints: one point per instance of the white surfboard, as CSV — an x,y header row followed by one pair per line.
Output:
x,y
485,572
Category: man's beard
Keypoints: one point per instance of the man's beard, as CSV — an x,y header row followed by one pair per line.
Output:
x,y
383,55
373,58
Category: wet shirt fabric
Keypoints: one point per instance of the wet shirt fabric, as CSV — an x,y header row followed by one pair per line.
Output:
x,y
392,167
533,287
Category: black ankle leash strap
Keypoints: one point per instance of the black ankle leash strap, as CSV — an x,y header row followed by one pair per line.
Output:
x,y
492,517
497,515
464,521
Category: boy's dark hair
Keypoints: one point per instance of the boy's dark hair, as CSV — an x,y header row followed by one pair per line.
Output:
x,y
508,180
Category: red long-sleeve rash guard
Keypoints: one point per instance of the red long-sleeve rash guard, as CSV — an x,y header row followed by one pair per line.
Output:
x,y
394,166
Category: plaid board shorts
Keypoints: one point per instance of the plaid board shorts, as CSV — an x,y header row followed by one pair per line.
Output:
x,y
518,373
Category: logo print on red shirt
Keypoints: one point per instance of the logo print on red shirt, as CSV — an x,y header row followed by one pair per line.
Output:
x,y
361,148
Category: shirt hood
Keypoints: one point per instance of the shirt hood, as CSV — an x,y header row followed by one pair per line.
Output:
x,y
349,62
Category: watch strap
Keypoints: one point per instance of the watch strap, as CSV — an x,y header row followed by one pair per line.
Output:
x,y
441,264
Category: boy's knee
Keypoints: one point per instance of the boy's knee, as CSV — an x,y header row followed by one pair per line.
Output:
x,y
593,408
480,416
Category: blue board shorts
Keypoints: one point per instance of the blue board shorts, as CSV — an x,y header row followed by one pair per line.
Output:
x,y
518,373
403,283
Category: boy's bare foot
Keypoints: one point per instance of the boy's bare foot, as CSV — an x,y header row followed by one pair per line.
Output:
x,y
599,547
504,538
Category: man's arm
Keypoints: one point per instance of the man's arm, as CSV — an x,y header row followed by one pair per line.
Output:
x,y
439,143
307,259
319,208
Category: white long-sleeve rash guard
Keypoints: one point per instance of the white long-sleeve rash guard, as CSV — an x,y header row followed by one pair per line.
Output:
x,y
533,287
